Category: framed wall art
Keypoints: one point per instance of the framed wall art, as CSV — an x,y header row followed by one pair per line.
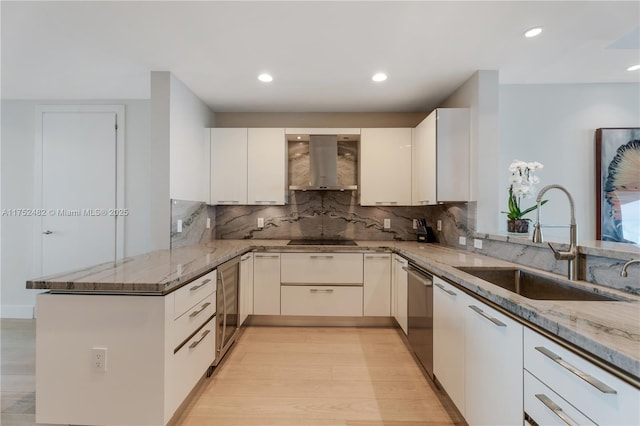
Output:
x,y
618,184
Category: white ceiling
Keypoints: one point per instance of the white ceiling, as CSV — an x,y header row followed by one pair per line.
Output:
x,y
322,54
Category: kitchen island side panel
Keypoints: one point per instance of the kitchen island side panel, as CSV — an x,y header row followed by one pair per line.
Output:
x,y
70,390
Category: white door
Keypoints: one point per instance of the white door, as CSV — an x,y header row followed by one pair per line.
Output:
x,y
79,188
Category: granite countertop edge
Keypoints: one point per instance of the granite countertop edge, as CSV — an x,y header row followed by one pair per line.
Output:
x,y
218,252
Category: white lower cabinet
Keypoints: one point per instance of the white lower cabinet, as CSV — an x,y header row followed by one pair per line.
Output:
x,y
377,285
157,348
493,367
546,407
449,310
266,283
400,291
599,395
246,287
321,300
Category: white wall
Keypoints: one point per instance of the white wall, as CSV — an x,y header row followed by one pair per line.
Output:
x,y
555,125
18,145
480,94
189,150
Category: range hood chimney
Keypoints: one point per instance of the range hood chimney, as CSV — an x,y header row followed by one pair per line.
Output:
x,y
324,156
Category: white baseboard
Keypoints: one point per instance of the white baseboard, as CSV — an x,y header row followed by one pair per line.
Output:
x,y
17,311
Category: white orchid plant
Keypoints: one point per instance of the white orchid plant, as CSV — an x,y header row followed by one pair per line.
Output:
x,y
522,184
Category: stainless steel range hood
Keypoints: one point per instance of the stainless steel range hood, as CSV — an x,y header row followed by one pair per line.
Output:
x,y
323,163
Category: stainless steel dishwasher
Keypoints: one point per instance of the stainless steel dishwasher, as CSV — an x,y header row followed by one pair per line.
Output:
x,y
420,315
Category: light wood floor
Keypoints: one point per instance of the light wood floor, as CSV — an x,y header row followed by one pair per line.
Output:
x,y
274,376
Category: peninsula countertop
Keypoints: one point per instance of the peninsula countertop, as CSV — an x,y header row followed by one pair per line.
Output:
x,y
610,331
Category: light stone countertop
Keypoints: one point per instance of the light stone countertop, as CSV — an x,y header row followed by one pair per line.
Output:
x,y
610,331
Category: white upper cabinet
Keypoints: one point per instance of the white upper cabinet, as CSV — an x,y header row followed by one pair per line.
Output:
x,y
441,157
267,167
424,162
228,166
385,167
452,140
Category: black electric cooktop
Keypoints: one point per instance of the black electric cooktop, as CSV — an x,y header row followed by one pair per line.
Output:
x,y
312,242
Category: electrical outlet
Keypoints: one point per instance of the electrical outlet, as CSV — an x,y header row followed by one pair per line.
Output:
x,y
439,225
462,241
208,222
477,243
415,223
387,223
261,222
179,226
99,359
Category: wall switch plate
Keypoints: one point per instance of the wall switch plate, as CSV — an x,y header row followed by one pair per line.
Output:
x,y
99,359
179,226
387,223
208,222
477,243
261,222
415,223
462,241
439,225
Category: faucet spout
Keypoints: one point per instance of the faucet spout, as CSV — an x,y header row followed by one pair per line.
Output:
x,y
623,273
570,255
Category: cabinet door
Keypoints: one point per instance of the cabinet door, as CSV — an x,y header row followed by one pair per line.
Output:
x,y
424,162
493,367
228,166
377,285
246,286
321,300
401,292
266,283
449,308
385,167
266,167
452,133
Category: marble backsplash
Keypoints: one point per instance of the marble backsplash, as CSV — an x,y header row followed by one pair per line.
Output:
x,y
194,216
336,215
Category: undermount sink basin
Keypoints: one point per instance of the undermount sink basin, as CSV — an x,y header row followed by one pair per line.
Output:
x,y
531,285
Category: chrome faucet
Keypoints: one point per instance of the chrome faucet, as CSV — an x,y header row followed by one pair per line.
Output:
x,y
572,254
623,273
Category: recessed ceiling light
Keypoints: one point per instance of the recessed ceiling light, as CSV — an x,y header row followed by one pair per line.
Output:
x,y
634,68
533,32
265,78
379,77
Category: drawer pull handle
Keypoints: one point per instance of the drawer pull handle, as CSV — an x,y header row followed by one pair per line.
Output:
x,y
557,410
602,387
399,260
386,202
196,313
487,316
317,290
265,202
202,284
197,342
377,257
242,259
229,201
267,256
446,290
320,257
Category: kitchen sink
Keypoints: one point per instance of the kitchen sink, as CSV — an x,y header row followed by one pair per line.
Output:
x,y
533,286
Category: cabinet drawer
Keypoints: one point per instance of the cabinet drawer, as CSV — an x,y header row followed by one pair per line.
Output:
x,y
602,397
192,361
546,407
189,295
188,322
322,268
321,300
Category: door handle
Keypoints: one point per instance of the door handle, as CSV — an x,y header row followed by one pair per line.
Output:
x,y
449,292
426,281
557,410
487,316
47,232
602,387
